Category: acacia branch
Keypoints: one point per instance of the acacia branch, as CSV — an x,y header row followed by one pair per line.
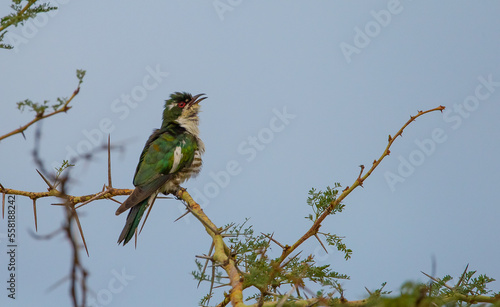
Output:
x,y
40,115
222,254
78,274
18,15
70,200
108,193
358,182
56,189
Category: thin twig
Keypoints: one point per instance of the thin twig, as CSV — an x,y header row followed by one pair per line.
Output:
x,y
437,280
45,179
72,198
111,198
147,214
18,15
461,278
211,284
222,254
57,283
183,215
204,257
272,239
290,259
362,167
358,182
203,221
110,185
206,262
96,196
62,109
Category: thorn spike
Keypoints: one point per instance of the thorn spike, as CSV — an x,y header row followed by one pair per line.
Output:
x,y
34,214
109,161
80,229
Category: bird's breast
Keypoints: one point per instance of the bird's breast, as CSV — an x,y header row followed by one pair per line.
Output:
x,y
184,174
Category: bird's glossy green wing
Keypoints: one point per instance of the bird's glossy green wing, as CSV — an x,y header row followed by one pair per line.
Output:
x,y
166,152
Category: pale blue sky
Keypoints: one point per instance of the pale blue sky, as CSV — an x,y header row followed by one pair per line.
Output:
x,y
253,61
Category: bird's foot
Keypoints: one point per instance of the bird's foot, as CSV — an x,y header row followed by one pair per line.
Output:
x,y
180,189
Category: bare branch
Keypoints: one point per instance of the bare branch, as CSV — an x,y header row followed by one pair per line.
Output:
x,y
64,108
461,277
206,262
73,199
358,182
274,240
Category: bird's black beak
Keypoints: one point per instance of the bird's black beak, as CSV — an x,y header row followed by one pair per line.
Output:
x,y
195,99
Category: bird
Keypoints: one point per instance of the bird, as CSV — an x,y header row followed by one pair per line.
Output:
x,y
172,155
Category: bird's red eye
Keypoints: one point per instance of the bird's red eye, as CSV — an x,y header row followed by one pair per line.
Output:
x,y
181,104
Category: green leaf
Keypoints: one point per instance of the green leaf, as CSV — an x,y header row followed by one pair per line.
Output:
x,y
80,73
321,200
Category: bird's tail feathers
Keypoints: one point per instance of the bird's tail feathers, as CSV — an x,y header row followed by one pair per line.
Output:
x,y
133,219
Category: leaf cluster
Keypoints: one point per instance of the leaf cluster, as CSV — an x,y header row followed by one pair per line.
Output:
x,y
468,291
21,13
336,241
264,273
39,108
60,105
466,287
319,201
80,74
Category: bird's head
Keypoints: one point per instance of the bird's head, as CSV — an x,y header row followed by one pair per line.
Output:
x,y
183,109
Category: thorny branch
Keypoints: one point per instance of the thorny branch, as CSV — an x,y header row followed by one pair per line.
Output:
x,y
222,254
41,115
57,188
223,257
19,16
78,274
358,182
